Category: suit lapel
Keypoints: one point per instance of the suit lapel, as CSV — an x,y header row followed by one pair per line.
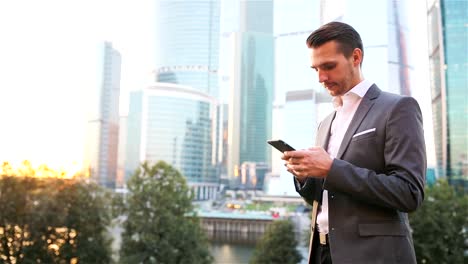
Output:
x,y
364,107
322,139
324,131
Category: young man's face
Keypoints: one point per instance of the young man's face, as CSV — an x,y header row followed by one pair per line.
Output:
x,y
337,73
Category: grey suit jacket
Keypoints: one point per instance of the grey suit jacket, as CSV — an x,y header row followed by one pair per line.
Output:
x,y
377,177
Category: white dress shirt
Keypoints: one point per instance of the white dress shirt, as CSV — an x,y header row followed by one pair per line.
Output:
x,y
345,107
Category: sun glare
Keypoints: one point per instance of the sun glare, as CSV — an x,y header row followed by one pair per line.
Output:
x,y
26,168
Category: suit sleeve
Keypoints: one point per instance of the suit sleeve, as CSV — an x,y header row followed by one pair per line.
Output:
x,y
400,185
311,189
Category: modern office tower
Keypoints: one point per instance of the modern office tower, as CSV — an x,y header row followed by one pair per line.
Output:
x,y
251,86
448,61
385,31
187,54
175,124
187,37
301,114
103,120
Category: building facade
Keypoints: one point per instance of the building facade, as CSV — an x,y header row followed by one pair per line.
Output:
x,y
176,118
187,36
448,63
103,120
175,124
251,86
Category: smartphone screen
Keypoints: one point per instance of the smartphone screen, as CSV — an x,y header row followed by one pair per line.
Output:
x,y
280,145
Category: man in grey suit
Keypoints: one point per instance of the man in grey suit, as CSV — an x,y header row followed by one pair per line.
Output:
x,y
368,167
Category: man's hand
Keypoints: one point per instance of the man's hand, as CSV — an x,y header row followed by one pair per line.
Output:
x,y
312,162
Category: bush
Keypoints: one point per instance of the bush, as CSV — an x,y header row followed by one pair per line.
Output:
x,y
278,245
440,226
52,220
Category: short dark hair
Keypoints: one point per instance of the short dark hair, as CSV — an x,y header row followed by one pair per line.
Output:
x,y
345,35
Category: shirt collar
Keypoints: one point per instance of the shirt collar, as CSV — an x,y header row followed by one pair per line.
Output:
x,y
360,90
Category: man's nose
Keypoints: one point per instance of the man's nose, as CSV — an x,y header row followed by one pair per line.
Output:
x,y
322,76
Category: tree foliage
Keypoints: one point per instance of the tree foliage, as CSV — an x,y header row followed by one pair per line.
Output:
x,y
278,245
52,220
160,225
440,226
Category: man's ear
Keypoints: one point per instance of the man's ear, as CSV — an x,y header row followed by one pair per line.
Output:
x,y
357,56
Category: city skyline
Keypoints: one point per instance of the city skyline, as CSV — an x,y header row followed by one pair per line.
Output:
x,y
44,103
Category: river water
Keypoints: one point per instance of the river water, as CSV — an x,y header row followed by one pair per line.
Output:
x,y
232,247
226,253
238,247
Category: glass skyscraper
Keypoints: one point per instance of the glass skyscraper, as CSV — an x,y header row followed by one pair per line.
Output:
x,y
174,123
448,59
103,120
251,86
187,37
176,118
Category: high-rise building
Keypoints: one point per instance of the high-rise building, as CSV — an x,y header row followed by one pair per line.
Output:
x,y
176,118
103,120
187,37
448,61
175,124
251,86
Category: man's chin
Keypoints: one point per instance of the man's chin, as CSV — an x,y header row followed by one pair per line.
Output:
x,y
331,92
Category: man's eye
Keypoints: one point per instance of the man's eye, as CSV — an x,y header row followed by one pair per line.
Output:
x,y
328,66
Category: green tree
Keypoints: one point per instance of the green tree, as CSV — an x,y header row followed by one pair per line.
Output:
x,y
440,226
277,246
160,225
51,220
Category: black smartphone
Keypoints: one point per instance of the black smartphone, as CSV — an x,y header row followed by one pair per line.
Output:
x,y
280,145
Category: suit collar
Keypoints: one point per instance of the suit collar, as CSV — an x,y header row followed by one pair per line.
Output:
x,y
364,107
373,92
323,134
